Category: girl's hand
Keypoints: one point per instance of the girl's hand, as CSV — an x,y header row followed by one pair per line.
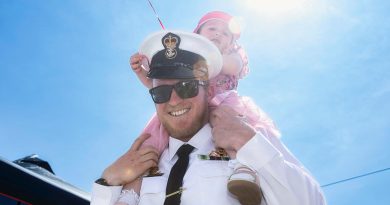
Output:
x,y
229,49
140,65
136,62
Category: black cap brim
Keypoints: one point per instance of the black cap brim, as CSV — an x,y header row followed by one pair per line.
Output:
x,y
169,72
179,67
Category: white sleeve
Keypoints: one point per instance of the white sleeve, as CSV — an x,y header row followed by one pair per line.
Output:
x,y
283,180
105,195
128,197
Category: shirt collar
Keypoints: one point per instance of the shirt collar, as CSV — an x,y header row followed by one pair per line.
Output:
x,y
199,141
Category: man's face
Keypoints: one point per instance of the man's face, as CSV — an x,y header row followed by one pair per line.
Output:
x,y
182,118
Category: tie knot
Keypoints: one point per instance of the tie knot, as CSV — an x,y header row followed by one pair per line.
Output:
x,y
184,150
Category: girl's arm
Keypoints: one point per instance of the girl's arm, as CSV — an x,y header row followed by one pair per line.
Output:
x,y
232,64
136,63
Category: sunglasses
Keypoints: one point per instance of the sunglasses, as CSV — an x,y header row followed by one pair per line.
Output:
x,y
184,89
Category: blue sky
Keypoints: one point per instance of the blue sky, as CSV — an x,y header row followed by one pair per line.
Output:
x,y
319,68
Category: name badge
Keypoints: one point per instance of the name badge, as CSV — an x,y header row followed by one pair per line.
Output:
x,y
207,157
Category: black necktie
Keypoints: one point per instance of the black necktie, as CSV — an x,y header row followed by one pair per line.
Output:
x,y
175,180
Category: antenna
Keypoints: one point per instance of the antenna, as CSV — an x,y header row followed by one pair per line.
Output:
x,y
158,18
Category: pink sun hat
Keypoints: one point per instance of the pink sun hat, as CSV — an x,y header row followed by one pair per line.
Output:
x,y
222,16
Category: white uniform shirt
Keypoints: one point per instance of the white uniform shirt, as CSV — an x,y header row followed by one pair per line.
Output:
x,y
282,178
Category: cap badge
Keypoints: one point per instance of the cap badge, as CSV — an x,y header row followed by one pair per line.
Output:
x,y
170,42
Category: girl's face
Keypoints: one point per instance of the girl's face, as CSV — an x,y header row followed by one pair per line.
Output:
x,y
218,32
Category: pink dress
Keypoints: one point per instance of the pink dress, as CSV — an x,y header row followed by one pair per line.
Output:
x,y
243,105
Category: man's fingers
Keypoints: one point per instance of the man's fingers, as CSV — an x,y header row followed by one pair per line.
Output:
x,y
215,116
149,156
147,149
227,110
213,119
148,164
138,142
223,116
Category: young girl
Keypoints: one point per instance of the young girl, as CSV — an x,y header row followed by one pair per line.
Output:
x,y
223,31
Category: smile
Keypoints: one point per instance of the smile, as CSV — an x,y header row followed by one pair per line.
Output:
x,y
179,112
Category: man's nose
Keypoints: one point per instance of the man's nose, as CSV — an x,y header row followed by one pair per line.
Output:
x,y
175,99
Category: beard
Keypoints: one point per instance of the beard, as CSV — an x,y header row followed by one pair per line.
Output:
x,y
185,133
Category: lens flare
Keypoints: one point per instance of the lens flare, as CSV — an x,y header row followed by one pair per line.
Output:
x,y
275,7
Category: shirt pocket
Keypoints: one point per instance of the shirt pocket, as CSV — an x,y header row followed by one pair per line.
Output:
x,y
208,183
211,173
214,168
153,190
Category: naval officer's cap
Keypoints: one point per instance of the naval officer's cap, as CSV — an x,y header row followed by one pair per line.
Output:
x,y
181,55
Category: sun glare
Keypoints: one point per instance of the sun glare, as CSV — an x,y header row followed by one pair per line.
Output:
x,y
236,24
275,7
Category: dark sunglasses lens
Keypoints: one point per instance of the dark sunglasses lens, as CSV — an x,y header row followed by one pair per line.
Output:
x,y
187,89
161,94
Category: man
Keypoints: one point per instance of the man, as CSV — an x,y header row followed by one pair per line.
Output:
x,y
181,64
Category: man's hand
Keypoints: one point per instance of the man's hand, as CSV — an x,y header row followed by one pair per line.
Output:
x,y
229,129
132,164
